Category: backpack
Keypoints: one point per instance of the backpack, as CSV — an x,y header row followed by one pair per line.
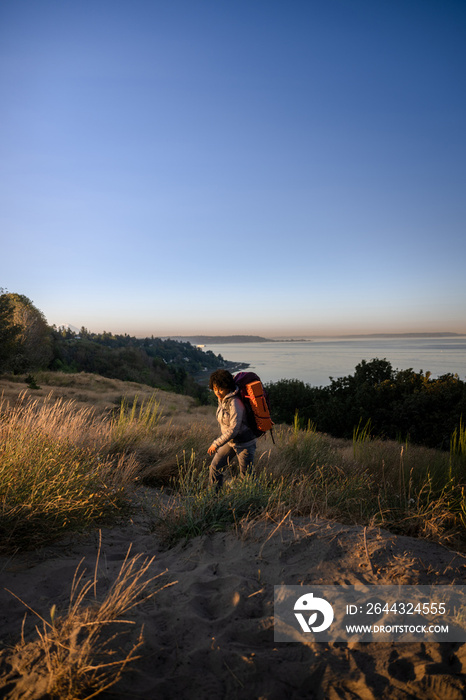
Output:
x,y
255,400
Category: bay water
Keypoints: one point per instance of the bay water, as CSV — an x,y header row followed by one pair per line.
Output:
x,y
315,361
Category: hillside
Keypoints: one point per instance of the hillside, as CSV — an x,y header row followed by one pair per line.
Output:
x,y
178,590
28,344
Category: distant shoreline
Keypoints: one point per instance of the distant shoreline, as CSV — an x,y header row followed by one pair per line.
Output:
x,y
229,339
400,335
203,376
220,339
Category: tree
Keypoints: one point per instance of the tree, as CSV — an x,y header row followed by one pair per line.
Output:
x,y
374,372
33,347
9,331
290,395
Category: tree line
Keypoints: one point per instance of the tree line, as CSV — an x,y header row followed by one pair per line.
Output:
x,y
29,344
395,404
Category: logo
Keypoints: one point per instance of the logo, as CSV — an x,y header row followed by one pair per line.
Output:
x,y
307,603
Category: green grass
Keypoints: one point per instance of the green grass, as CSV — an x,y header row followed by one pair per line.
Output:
x,y
458,440
196,508
134,422
361,435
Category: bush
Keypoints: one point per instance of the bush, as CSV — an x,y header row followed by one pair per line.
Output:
x,y
399,404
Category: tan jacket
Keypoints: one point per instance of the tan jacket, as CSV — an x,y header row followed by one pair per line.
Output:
x,y
232,419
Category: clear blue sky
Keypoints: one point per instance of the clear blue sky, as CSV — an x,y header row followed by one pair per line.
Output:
x,y
277,167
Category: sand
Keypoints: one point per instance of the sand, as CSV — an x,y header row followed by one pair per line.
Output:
x,y
211,634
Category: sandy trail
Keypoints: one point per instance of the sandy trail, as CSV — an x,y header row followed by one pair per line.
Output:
x,y
211,634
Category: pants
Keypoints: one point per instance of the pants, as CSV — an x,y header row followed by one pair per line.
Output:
x,y
222,459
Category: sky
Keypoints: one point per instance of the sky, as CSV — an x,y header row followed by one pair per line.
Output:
x,y
269,167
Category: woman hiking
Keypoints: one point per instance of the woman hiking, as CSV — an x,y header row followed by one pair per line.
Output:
x,y
237,438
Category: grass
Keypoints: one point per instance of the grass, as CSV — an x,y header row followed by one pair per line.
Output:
x,y
65,464
195,508
407,489
55,474
77,652
134,423
403,488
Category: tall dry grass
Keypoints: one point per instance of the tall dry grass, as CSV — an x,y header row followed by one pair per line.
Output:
x,y
405,488
86,389
57,471
77,652
67,466
72,465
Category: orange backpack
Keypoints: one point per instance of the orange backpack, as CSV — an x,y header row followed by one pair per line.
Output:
x,y
255,399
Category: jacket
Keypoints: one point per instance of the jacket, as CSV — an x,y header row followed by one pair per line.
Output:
x,y
232,419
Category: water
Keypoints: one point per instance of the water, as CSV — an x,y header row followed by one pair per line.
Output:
x,y
314,362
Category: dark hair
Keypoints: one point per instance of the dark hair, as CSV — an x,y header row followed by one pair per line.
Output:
x,y
223,379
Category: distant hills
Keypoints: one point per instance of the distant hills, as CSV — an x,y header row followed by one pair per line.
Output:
x,y
224,339
221,339
403,335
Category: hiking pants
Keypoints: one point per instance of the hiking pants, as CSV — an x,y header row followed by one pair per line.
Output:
x,y
225,455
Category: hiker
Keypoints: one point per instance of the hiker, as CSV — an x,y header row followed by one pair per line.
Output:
x,y
236,437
